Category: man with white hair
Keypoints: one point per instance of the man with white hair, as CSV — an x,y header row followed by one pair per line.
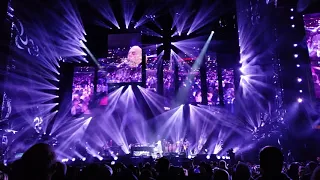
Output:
x,y
130,68
134,56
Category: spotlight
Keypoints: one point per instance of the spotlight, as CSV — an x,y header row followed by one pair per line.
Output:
x,y
208,156
115,158
205,150
227,157
300,100
218,157
300,91
189,156
293,25
291,17
212,32
73,159
100,158
291,9
113,163
295,45
296,55
84,159
223,157
298,65
299,80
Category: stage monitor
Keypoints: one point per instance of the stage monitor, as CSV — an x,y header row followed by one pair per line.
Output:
x,y
82,90
312,26
123,61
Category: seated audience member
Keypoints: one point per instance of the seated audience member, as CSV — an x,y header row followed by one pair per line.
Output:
x,y
311,166
293,171
61,172
223,165
271,162
96,172
220,174
162,167
242,172
37,163
316,174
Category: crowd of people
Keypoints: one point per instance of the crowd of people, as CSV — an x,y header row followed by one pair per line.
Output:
x,y
40,163
152,77
82,90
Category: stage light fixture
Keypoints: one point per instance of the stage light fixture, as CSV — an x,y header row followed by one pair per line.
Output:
x,y
291,17
295,45
298,65
101,158
73,159
84,159
115,158
300,100
227,157
218,157
208,156
212,32
113,163
189,156
300,91
291,9
223,157
293,25
296,55
299,80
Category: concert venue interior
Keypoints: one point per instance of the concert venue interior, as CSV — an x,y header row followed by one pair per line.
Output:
x,y
211,79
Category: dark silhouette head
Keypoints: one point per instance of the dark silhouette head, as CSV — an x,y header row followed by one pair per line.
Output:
x,y
220,174
61,171
223,165
316,174
311,166
271,160
242,172
163,165
293,171
39,162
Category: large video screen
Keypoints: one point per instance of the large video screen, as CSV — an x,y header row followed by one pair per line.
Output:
x,y
228,86
168,80
212,80
123,62
190,79
312,26
152,67
82,90
102,88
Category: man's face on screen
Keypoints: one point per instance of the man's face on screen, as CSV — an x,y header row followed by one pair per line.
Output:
x,y
135,55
